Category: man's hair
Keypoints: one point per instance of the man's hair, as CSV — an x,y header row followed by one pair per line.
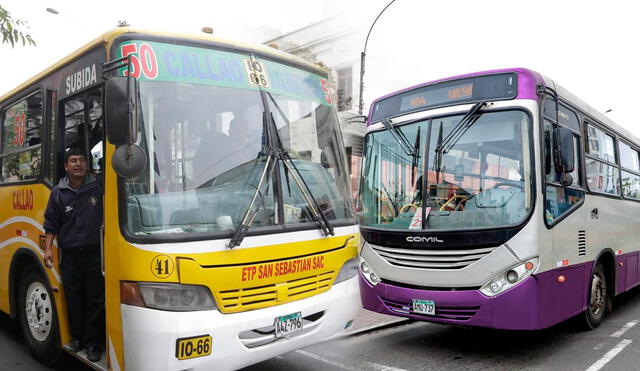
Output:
x,y
74,151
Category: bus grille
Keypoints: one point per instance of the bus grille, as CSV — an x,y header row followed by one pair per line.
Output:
x,y
431,259
451,313
232,301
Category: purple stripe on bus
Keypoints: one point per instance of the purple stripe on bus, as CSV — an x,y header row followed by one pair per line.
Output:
x,y
528,80
538,302
628,272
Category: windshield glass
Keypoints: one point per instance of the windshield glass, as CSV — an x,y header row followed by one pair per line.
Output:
x,y
483,181
203,124
309,133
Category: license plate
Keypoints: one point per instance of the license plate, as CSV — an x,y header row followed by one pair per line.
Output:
x,y
424,307
287,325
193,347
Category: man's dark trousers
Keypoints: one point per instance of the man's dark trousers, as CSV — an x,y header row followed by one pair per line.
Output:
x,y
84,290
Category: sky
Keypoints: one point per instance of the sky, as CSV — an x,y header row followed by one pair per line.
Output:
x,y
589,47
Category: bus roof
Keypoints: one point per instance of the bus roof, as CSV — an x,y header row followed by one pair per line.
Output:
x,y
528,80
108,37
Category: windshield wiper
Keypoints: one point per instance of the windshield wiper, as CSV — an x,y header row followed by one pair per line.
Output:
x,y
251,212
414,159
401,139
292,169
461,128
276,155
443,146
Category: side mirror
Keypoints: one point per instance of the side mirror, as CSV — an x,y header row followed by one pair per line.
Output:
x,y
129,160
121,94
564,153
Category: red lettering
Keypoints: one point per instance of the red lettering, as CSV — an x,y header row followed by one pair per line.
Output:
x,y
130,50
149,62
23,199
19,129
327,92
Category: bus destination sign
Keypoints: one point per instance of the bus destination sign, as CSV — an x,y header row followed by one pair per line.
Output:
x,y
472,89
454,93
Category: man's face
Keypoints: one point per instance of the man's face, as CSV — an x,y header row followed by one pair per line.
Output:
x,y
76,166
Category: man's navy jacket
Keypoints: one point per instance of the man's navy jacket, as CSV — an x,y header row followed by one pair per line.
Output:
x,y
75,215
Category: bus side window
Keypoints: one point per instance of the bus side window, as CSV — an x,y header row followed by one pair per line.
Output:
x,y
22,139
73,123
560,200
83,127
51,135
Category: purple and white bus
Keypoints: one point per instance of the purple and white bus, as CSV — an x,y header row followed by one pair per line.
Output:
x,y
497,199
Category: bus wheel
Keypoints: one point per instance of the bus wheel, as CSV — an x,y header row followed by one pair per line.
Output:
x,y
38,318
597,303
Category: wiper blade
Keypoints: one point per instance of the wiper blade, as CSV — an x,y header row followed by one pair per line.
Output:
x,y
414,160
443,146
401,139
269,168
251,212
461,128
292,169
317,212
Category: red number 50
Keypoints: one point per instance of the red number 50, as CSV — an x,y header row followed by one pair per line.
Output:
x,y
142,60
19,129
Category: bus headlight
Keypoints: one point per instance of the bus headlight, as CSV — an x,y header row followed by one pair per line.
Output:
x,y
369,274
510,277
167,296
349,270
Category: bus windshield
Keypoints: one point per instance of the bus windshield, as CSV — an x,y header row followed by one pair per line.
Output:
x,y
207,146
483,180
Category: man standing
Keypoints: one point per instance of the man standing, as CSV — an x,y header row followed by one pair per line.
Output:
x,y
74,215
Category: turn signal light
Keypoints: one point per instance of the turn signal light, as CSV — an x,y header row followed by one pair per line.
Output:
x,y
561,279
130,294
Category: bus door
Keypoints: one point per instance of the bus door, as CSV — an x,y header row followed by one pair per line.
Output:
x,y
82,127
83,123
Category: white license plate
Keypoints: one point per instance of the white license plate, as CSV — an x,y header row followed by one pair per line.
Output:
x,y
287,325
424,307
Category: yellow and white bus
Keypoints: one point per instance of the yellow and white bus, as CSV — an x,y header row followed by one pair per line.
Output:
x,y
229,236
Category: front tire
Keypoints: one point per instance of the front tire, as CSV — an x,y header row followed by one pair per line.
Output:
x,y
38,317
597,301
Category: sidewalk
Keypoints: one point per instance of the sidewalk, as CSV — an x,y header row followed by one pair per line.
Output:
x,y
369,321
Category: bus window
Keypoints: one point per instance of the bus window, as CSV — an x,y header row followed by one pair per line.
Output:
x,y
83,127
602,176
73,123
630,178
629,158
21,133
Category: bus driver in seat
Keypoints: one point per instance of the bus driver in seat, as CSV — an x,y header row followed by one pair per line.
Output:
x,y
74,216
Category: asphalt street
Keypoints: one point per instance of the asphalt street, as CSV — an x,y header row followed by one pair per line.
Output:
x,y
615,345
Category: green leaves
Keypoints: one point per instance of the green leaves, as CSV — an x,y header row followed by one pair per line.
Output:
x,y
12,30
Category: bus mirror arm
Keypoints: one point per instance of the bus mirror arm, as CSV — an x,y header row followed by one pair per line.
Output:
x,y
121,119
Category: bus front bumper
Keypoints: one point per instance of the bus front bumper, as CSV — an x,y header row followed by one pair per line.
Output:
x,y
150,336
514,309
